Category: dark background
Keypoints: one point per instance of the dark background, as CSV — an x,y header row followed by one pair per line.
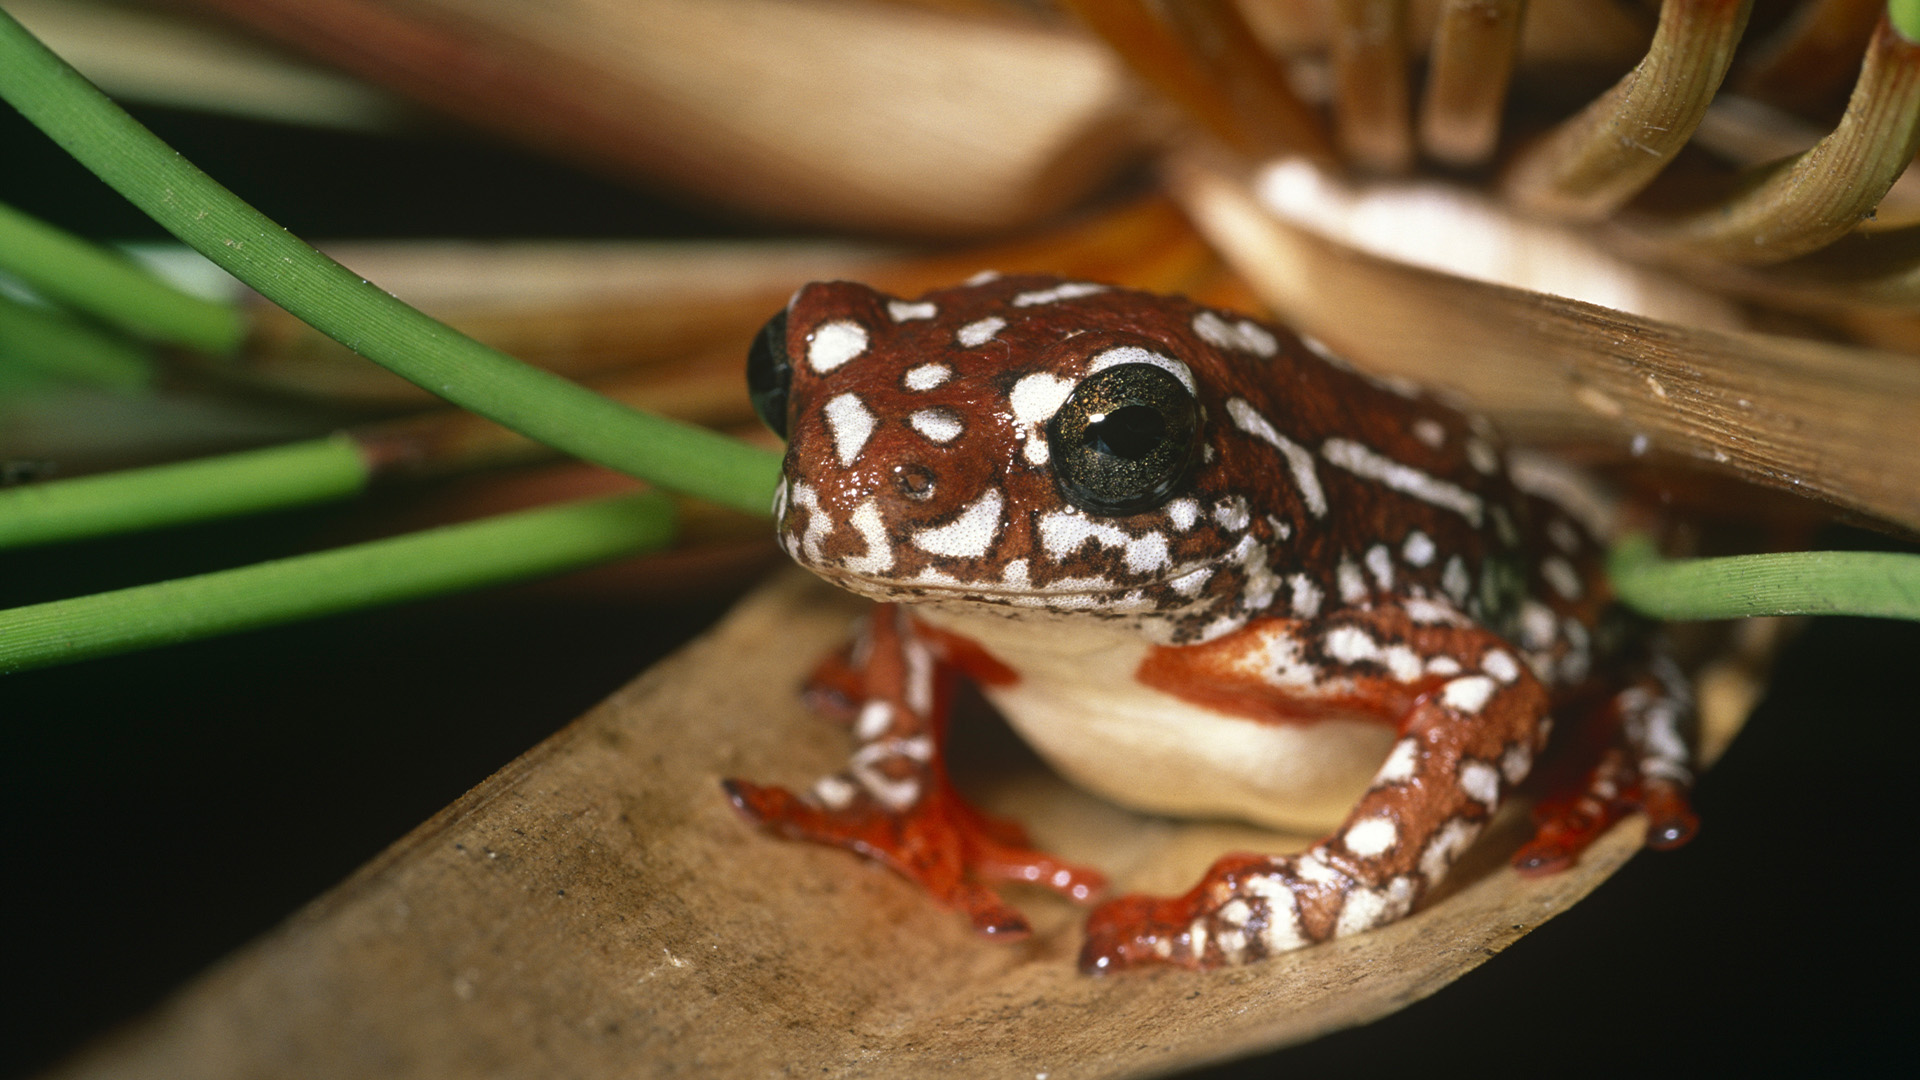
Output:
x,y
162,809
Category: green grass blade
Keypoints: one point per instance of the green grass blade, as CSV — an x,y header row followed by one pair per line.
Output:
x,y
66,350
113,288
243,483
338,303
1877,583
511,547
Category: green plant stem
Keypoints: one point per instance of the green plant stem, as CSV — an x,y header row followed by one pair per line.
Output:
x,y
359,315
53,344
511,547
111,287
243,483
1905,16
1876,583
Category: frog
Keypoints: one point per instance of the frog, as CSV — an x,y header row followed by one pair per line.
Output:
x,y
1206,568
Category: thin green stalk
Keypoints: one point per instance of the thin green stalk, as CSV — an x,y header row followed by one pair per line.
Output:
x,y
334,301
511,547
1905,16
112,287
53,344
1876,583
243,483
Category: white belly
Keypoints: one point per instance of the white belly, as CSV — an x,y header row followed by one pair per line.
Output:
x,y
1079,705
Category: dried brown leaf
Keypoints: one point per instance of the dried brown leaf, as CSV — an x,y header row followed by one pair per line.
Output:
x,y
1828,421
596,909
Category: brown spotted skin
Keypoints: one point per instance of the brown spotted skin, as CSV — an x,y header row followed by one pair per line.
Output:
x,y
1342,555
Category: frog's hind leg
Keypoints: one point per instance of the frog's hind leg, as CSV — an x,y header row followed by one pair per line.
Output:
x,y
1628,751
893,801
1469,729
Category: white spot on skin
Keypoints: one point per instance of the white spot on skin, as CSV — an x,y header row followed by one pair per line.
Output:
x,y
1307,596
1197,937
1501,665
1282,932
1401,764
1369,464
1366,909
834,793
1483,457
1072,290
1183,513
1432,612
1232,514
1418,550
1147,554
1351,645
937,425
876,716
851,425
1248,419
927,376
1467,694
1313,870
1353,587
1429,431
1245,335
902,311
982,277
1189,585
865,520
1380,564
1443,666
968,536
1014,576
1480,781
1133,354
1374,836
1064,532
1448,842
1561,576
1034,400
1516,763
1455,581
833,344
1537,625
978,333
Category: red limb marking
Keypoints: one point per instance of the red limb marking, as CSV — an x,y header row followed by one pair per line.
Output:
x,y
934,837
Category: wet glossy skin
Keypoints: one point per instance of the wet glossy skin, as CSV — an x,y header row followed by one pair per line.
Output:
x,y
1205,569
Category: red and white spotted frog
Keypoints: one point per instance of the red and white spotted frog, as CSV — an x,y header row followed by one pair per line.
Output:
x,y
1206,569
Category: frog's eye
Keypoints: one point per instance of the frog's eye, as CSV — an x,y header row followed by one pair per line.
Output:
x,y
770,374
1124,440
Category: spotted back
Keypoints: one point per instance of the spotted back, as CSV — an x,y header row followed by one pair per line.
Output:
x,y
938,452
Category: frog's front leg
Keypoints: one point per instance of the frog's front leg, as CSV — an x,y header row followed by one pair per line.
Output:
x,y
1469,718
893,801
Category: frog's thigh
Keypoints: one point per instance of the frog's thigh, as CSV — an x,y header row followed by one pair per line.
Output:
x,y
1149,750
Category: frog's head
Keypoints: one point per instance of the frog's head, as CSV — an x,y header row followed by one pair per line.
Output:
x,y
1022,442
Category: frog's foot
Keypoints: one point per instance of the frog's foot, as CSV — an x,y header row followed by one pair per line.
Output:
x,y
939,841
1246,907
1633,757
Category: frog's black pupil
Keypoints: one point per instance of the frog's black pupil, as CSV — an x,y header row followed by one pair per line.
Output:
x,y
1129,432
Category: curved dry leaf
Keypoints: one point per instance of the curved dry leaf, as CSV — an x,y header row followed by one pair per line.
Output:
x,y
1827,421
603,878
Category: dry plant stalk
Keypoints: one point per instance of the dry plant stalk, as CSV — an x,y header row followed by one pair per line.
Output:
x,y
1814,59
1235,93
1471,62
1372,118
1804,204
1598,159
963,126
1828,421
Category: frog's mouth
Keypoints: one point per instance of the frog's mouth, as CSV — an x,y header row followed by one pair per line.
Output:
x,y
1161,595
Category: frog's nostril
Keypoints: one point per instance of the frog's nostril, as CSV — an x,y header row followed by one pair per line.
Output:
x,y
914,481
